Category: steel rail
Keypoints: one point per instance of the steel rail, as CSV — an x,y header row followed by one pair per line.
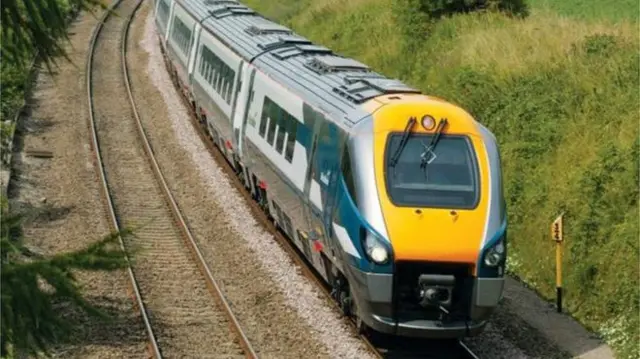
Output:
x,y
188,237
153,343
179,219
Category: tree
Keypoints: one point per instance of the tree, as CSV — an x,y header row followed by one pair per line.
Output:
x,y
37,26
33,286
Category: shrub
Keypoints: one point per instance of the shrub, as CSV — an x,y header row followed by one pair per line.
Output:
x,y
437,9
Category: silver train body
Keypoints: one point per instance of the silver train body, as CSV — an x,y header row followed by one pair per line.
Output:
x,y
313,137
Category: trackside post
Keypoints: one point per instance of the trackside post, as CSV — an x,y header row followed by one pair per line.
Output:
x,y
557,235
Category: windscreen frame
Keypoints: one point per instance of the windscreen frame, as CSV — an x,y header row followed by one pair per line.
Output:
x,y
426,137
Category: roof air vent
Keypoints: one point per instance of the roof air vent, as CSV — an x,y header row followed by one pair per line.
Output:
x,y
330,64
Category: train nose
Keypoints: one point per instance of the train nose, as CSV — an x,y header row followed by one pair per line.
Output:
x,y
434,236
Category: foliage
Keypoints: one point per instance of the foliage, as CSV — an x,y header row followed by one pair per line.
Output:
x,y
561,95
34,287
437,9
39,24
27,26
13,82
12,92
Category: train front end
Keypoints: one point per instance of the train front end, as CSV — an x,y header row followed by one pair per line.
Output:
x,y
438,269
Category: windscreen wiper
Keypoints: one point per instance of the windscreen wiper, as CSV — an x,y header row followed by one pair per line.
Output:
x,y
403,141
428,155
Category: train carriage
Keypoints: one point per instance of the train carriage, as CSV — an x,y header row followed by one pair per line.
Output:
x,y
395,197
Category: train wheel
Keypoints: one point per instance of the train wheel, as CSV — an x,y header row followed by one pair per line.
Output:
x,y
345,303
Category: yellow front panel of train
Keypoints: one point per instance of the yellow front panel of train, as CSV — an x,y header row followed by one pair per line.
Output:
x,y
421,232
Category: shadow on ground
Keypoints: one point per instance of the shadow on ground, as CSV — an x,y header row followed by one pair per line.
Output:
x,y
121,326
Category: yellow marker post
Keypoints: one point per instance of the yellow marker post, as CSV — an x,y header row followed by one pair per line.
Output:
x,y
557,235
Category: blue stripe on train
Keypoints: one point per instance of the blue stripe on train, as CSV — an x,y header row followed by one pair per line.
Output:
x,y
348,216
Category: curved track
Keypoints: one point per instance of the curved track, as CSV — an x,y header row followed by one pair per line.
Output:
x,y
169,276
380,345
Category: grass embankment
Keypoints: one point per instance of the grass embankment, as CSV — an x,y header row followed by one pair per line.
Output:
x,y
561,94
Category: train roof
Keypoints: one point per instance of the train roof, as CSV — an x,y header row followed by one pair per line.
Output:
x,y
334,83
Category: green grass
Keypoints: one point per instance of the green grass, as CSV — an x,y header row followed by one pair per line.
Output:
x,y
612,10
561,94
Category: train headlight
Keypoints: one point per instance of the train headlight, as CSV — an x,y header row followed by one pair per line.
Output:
x,y
376,251
428,122
495,254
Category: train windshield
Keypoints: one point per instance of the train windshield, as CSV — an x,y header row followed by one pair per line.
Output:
x,y
446,177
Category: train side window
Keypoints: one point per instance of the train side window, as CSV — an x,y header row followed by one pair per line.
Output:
x,y
282,119
222,88
273,117
204,64
227,93
227,84
239,86
211,73
232,75
163,12
292,129
218,75
266,110
215,69
182,36
223,80
347,173
209,67
286,125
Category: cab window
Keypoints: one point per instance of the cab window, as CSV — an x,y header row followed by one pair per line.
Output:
x,y
450,180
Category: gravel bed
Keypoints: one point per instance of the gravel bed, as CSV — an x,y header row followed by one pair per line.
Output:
x,y
508,336
184,315
284,314
62,198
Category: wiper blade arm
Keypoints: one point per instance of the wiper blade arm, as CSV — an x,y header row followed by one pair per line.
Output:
x,y
425,158
403,141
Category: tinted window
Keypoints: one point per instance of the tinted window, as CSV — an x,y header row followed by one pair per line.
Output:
x,y
217,73
281,132
286,125
266,107
292,129
347,173
163,12
449,181
182,36
272,124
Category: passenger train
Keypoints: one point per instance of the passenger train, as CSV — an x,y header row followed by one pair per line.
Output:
x,y
395,197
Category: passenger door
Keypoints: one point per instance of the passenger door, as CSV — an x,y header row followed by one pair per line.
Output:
x,y
321,179
245,98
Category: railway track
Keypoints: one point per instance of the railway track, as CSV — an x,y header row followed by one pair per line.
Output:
x,y
183,310
380,345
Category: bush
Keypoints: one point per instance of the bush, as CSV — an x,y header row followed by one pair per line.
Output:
x,y
437,9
